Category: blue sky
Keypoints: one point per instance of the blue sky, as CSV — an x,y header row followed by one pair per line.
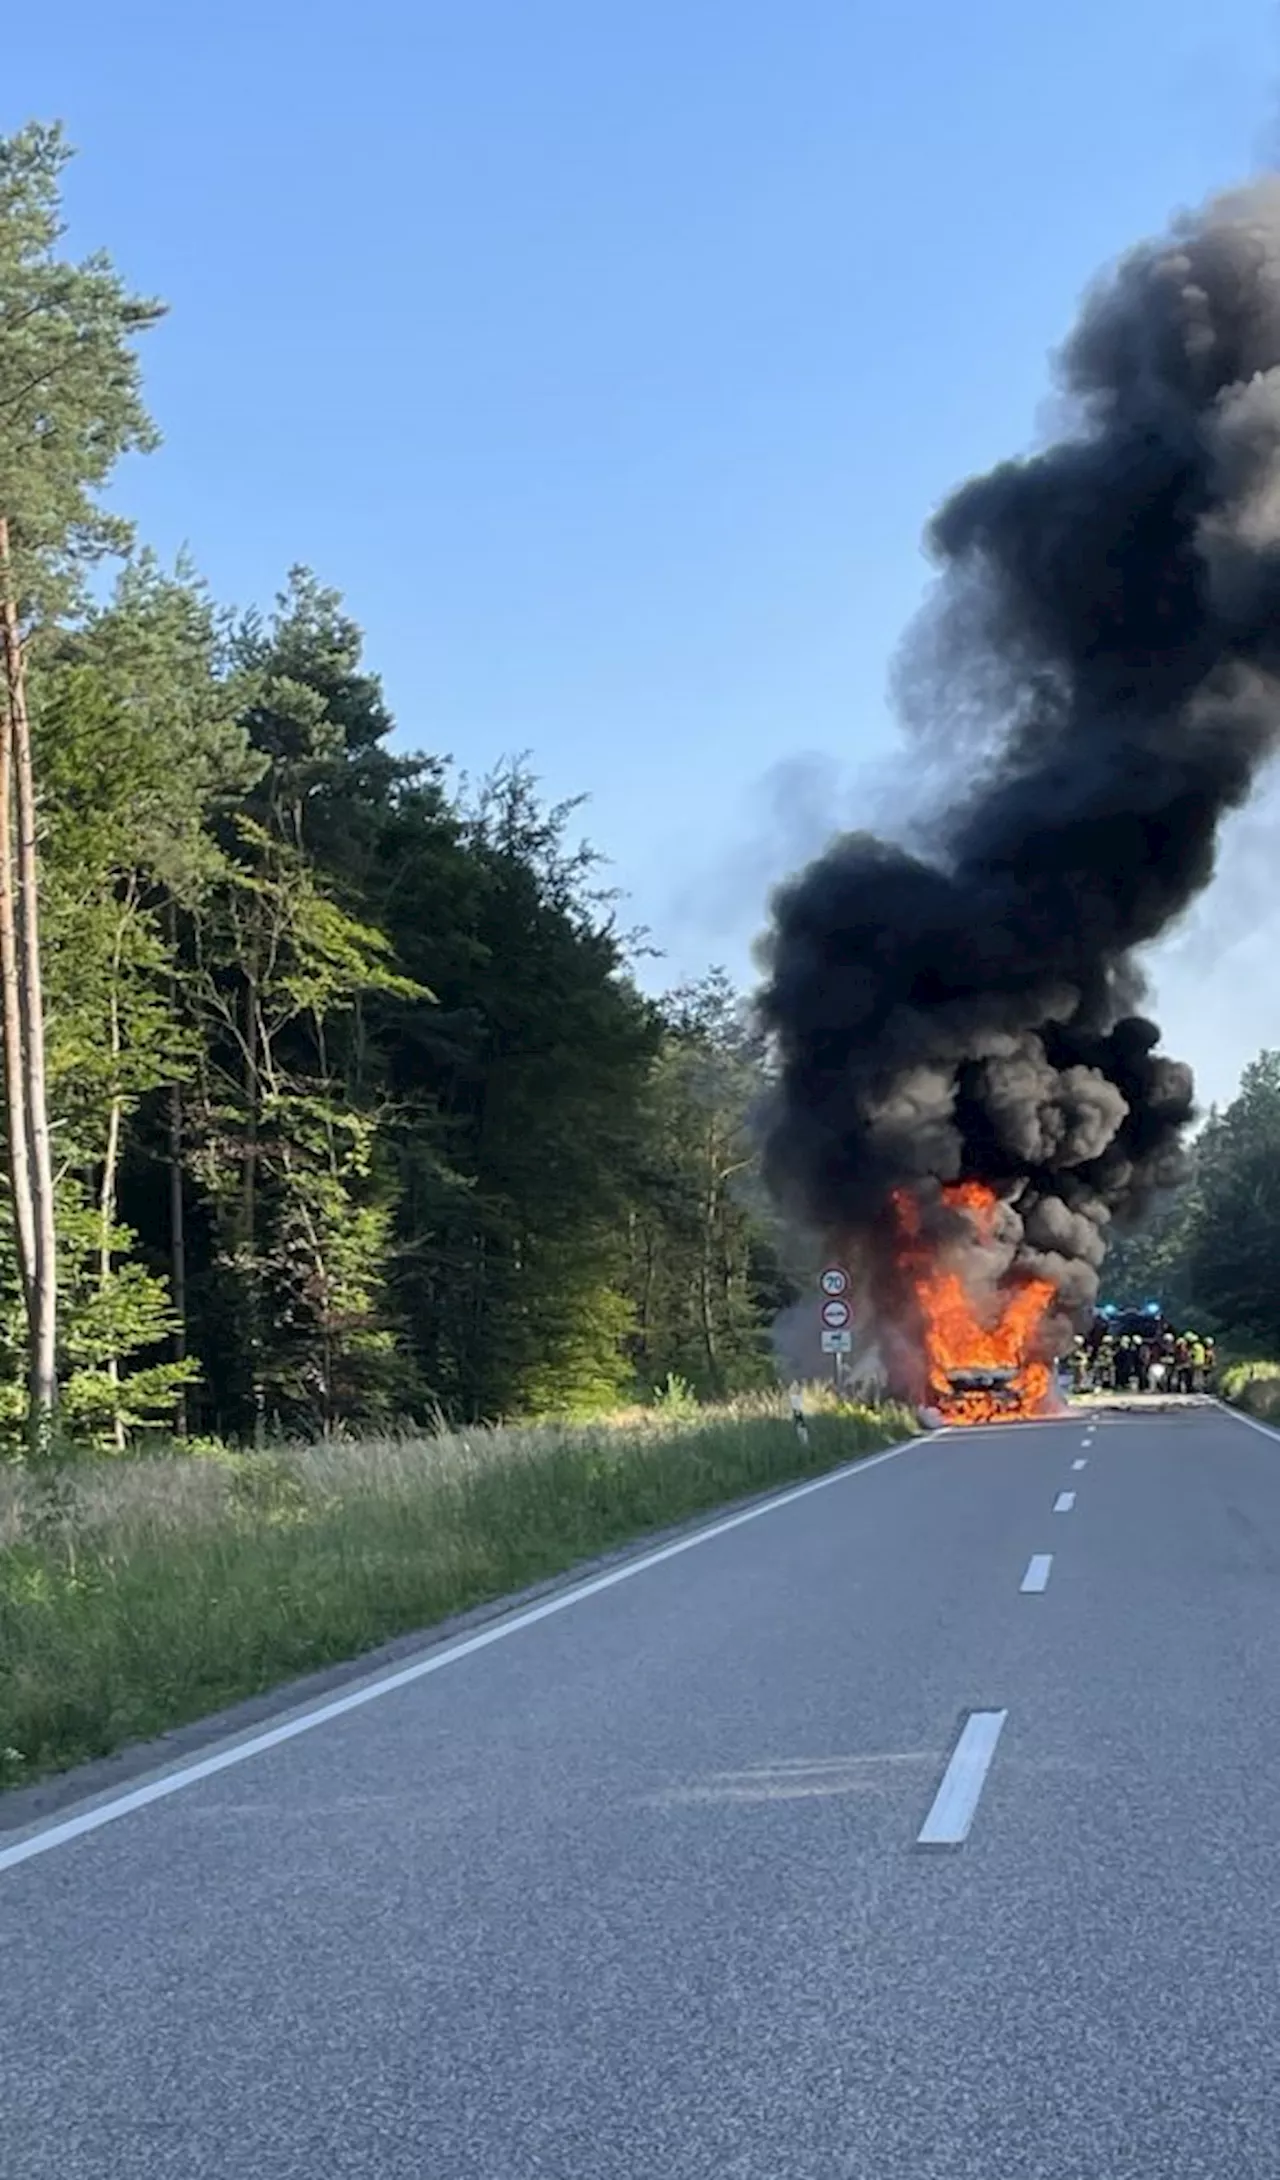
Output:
x,y
610,358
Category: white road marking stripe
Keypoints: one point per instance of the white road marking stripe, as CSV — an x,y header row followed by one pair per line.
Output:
x,y
159,1786
1237,1416
956,1801
1081,1463
1036,1577
1064,1502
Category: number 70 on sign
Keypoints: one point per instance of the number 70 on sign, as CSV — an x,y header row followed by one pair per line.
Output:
x,y
833,1282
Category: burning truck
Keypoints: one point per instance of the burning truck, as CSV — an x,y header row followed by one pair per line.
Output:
x,y
969,1093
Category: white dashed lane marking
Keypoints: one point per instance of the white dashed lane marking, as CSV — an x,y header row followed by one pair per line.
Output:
x,y
956,1801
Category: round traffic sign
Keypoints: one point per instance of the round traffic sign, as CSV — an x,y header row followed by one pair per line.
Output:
x,y
834,1280
835,1314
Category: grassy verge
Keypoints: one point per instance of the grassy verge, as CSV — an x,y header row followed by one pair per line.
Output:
x,y
1254,1386
138,1595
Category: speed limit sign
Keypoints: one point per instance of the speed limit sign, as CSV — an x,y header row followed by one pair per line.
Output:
x,y
834,1280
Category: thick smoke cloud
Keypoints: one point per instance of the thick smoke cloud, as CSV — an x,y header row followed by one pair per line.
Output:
x,y
1105,648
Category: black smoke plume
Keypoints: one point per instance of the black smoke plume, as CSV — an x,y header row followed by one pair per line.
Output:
x,y
1104,646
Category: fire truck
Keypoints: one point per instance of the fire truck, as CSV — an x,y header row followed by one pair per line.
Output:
x,y
1140,1321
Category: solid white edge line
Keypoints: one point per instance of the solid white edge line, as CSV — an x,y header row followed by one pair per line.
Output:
x,y
58,1832
1237,1416
1064,1502
1036,1579
956,1801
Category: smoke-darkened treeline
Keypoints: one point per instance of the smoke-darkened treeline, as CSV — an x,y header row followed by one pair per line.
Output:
x,y
357,1110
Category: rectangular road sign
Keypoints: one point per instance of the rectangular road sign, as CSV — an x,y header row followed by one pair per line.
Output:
x,y
836,1343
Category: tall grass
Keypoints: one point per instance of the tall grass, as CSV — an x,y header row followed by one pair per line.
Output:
x,y
138,1595
1253,1385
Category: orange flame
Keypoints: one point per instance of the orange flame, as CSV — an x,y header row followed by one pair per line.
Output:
x,y
963,1340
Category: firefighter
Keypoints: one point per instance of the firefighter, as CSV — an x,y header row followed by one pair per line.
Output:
x,y
1182,1363
1125,1361
1168,1360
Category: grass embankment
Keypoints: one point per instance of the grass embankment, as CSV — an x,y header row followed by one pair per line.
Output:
x,y
1252,1385
137,1595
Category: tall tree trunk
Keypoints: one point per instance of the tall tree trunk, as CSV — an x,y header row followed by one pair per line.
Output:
x,y
106,1220
43,1312
249,1182
19,1162
713,1271
705,1310
110,1177
249,1169
177,1200
177,1250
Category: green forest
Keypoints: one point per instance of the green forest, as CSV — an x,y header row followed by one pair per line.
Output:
x,y
1212,1250
332,1098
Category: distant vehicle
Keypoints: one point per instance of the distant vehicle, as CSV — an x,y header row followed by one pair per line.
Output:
x,y
1140,1321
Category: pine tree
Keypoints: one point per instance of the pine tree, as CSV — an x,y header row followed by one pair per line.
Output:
x,y
69,407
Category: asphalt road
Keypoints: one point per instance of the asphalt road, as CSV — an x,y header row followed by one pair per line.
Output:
x,y
635,1893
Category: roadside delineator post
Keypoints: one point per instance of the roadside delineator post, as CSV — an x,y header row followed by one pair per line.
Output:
x,y
798,1416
